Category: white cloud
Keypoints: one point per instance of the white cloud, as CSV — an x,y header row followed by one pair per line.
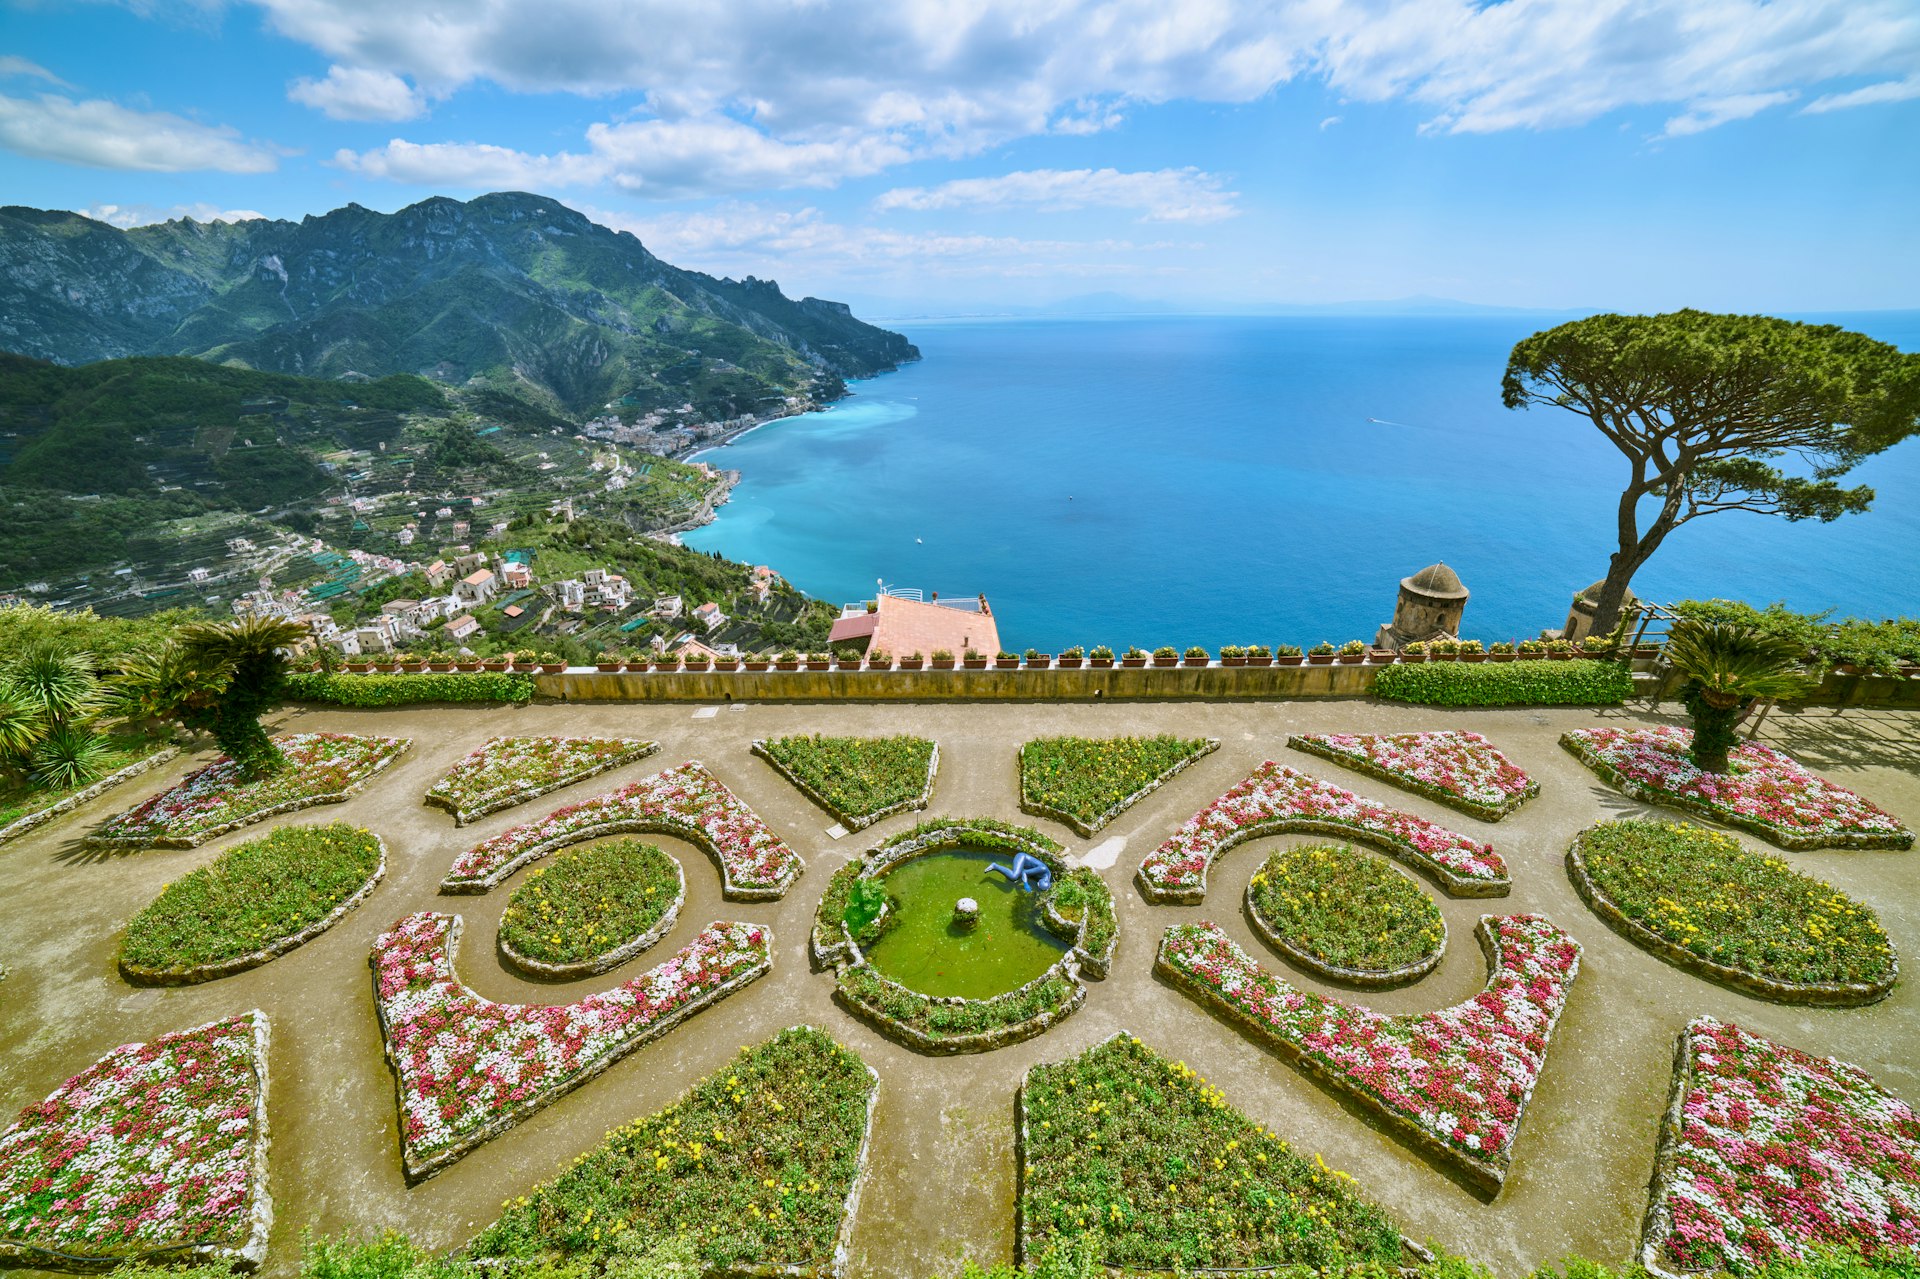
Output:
x,y
105,135
1711,113
470,165
1329,122
1872,95
1160,195
12,66
356,93
126,216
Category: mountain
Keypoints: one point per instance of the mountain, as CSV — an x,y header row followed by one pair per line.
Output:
x,y
509,292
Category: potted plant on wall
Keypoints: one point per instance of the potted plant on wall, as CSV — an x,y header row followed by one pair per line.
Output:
x,y
819,661
942,659
974,660
1134,657
1038,661
1560,650
1005,661
695,661
1071,658
912,661
1321,654
1166,655
1233,655
1258,655
1100,656
1288,655
496,664
469,663
1414,652
1501,651
1382,656
788,660
1472,651
606,661
1531,650
1352,651
1197,656
879,659
727,662
759,661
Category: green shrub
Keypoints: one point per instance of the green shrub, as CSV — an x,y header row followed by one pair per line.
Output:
x,y
405,690
1347,909
590,899
1081,895
1579,682
252,896
864,986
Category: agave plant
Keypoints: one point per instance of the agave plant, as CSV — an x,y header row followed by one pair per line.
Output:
x,y
1726,668
70,755
49,690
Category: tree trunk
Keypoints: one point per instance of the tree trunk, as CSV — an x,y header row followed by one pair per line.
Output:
x,y
1716,720
1606,609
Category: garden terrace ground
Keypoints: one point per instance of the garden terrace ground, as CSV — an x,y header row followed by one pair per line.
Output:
x,y
943,1157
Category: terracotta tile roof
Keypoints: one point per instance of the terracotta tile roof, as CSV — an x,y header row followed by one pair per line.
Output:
x,y
903,626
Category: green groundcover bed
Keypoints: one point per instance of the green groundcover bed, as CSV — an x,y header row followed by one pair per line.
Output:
x,y
1085,780
856,777
1151,1162
1347,909
753,1167
941,1019
1543,682
407,689
590,899
1703,890
252,896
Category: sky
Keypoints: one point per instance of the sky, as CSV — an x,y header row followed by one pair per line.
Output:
x,y
920,156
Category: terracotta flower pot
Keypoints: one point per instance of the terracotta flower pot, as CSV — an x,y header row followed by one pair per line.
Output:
x,y
913,663
1256,661
1382,657
974,663
1196,661
1473,657
1100,663
1069,663
1292,659
1501,657
469,668
441,668
1041,661
1166,661
941,663
493,666
360,668
758,665
1133,662
1320,659
605,668
552,668
788,666
413,668
696,664
1006,663
727,664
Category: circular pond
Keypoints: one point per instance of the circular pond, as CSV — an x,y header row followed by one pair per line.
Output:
x,y
928,950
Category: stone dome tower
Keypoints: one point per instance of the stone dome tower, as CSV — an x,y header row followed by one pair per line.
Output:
x,y
1429,607
1580,616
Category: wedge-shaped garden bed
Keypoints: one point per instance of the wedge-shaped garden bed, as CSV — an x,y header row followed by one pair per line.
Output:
x,y
1459,769
468,1069
1345,916
322,768
158,1151
37,808
1086,782
512,770
1455,1083
759,1166
859,780
1145,1158
1698,900
1767,792
1769,1153
1275,800
949,1027
687,801
255,902
591,909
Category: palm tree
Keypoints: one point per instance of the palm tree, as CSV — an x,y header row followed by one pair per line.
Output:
x,y
247,652
1727,667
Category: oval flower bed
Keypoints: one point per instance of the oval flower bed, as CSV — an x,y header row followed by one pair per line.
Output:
x,y
1767,792
512,770
1771,1154
1454,1082
1275,799
1086,782
859,780
322,768
1459,769
1697,899
468,1069
158,1151
687,801
592,909
256,901
1345,916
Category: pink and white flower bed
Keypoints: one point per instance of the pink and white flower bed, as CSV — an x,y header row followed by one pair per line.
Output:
x,y
1767,792
468,1069
512,770
688,801
1275,799
322,768
1769,1152
1459,769
1456,1081
157,1150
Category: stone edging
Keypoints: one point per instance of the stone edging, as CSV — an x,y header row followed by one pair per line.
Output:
x,y
525,794
729,889
40,817
979,1041
1399,850
1773,834
138,975
1086,830
1484,1174
291,806
853,823
611,959
1658,1224
1459,803
1360,978
1808,994
417,1171
246,1257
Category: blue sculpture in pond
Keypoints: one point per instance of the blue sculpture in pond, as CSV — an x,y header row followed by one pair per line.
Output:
x,y
1027,871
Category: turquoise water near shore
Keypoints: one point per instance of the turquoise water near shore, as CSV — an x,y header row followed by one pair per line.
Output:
x,y
1218,480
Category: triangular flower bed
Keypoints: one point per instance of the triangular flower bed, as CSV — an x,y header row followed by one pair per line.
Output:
x,y
158,1151
322,768
1459,769
1144,1157
759,1167
512,770
1770,1153
1275,800
859,780
688,802
1454,1082
1086,782
468,1069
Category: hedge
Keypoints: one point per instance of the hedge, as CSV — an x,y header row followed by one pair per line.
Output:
x,y
403,690
1542,682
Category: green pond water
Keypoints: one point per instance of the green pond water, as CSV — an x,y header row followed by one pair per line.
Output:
x,y
927,952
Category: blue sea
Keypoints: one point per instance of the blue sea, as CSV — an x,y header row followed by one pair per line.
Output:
x,y
1213,480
